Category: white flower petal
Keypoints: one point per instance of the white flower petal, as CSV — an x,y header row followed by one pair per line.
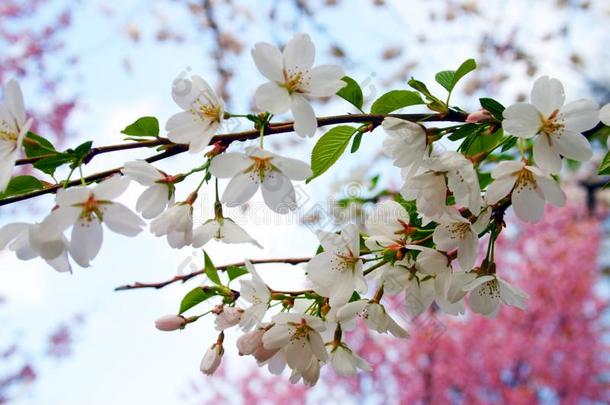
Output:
x,y
506,168
551,190
240,189
522,120
545,157
120,219
204,233
547,95
604,114
278,193
295,169
573,145
299,54
580,115
467,251
324,81
229,164
305,122
13,97
499,189
272,97
268,60
484,300
142,172
528,204
234,233
153,201
111,188
86,241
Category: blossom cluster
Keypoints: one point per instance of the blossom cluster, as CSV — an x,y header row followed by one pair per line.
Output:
x,y
425,243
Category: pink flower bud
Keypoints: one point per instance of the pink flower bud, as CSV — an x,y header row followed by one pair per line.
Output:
x,y
228,317
211,359
170,322
479,115
249,342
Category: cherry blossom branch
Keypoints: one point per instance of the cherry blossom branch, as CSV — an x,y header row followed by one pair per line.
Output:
x,y
186,277
175,149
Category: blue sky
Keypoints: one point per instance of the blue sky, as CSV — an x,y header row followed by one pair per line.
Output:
x,y
119,357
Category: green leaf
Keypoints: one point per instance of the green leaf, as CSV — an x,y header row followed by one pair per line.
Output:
x,y
210,269
508,143
463,131
484,179
329,148
434,103
352,93
395,100
79,154
604,168
494,107
50,164
482,141
144,126
449,78
235,271
195,297
20,185
356,142
33,150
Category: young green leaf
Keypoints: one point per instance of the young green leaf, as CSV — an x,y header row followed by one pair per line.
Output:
x,y
328,149
494,107
352,93
395,100
49,164
235,271
449,78
356,142
196,297
604,168
145,126
80,153
20,185
434,103
39,147
210,269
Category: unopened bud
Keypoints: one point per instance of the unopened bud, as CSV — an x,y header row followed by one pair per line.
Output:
x,y
169,323
211,359
249,342
228,317
478,116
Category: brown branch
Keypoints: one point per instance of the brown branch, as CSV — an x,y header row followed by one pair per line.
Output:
x,y
175,149
186,277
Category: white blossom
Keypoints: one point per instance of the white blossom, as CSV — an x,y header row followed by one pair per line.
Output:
x,y
346,362
258,167
228,317
292,77
299,336
405,144
310,374
528,186
428,187
256,292
387,226
374,315
455,231
13,128
337,271
556,128
488,291
29,241
86,209
223,230
202,116
159,189
604,116
177,223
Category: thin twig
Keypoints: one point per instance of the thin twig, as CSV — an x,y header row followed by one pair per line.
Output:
x,y
186,277
175,149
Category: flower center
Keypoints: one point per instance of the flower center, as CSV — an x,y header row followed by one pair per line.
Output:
x,y
550,126
6,134
458,230
293,81
261,166
210,111
491,289
300,331
525,180
92,207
